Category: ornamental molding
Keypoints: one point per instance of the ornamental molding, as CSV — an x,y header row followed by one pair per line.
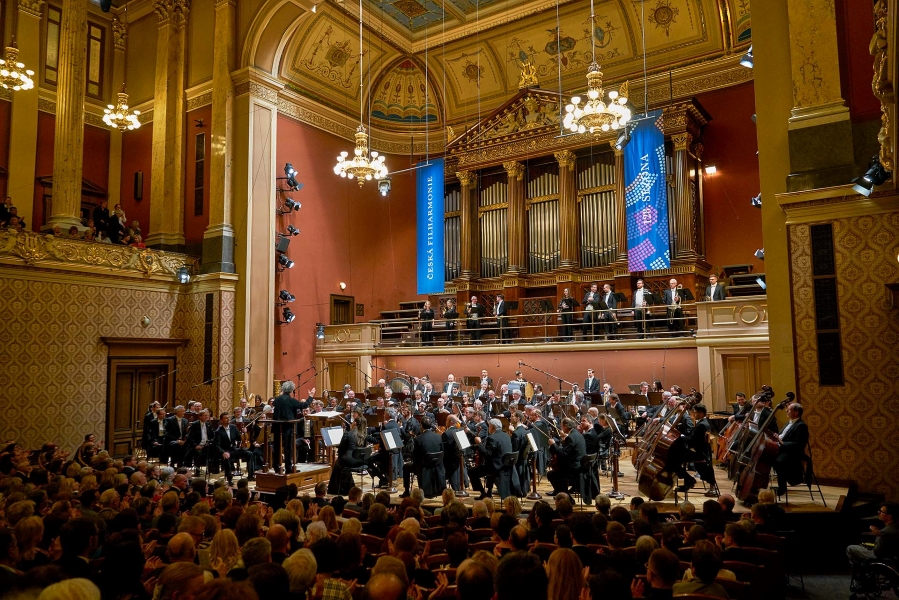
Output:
x,y
31,7
199,101
119,34
49,106
256,89
172,12
45,250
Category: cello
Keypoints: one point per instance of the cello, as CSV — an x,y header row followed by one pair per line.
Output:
x,y
655,479
731,434
762,452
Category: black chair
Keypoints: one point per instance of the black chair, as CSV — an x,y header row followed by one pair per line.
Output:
x,y
809,478
432,478
587,480
504,477
362,454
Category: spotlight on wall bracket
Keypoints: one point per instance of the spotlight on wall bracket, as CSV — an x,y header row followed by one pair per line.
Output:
x,y
874,176
286,296
756,201
292,204
287,317
285,262
760,254
291,177
319,331
746,60
384,185
624,138
710,169
291,230
761,283
183,275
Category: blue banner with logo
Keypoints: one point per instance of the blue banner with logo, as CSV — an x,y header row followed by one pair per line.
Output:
x,y
429,230
646,197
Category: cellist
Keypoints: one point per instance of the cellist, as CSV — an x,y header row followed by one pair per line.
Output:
x,y
698,451
792,443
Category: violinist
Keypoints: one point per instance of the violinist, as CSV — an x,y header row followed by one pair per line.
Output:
x,y
427,442
604,432
792,441
373,410
482,392
411,427
618,411
497,444
176,436
378,460
533,420
520,444
451,453
227,444
699,452
570,451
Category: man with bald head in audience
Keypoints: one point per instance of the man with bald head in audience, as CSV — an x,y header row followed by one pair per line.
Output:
x,y
279,538
384,586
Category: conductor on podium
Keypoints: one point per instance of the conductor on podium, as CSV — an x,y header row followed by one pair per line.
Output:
x,y
285,409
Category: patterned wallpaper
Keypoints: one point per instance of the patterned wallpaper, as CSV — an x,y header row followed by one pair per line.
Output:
x,y
54,375
853,426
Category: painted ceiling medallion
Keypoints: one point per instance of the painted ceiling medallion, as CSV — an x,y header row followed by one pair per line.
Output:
x,y
410,8
664,15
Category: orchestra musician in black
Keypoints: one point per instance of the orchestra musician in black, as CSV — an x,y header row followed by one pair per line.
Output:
x,y
592,304
793,441
475,312
199,440
176,436
286,408
492,449
450,314
378,461
228,448
570,451
566,311
426,316
431,475
698,451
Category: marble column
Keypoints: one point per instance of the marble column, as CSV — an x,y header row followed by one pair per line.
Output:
x,y
68,148
218,240
255,141
686,219
516,218
119,37
819,123
23,124
621,203
569,215
471,231
167,186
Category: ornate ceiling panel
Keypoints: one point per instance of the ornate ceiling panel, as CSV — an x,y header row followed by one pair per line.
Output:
x,y
403,97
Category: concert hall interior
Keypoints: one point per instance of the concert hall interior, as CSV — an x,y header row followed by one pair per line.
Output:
x,y
206,200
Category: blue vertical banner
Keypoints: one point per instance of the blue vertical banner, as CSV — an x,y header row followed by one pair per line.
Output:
x,y
646,197
429,230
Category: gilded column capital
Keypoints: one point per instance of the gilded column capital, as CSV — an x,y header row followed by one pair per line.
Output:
x,y
680,141
172,11
566,159
31,7
119,34
465,177
221,3
514,169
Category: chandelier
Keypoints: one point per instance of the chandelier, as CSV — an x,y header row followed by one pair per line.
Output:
x,y
364,166
118,116
595,115
13,74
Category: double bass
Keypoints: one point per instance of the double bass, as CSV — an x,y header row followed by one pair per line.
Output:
x,y
762,452
656,478
732,432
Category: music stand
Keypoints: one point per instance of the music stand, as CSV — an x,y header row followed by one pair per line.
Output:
x,y
634,388
504,421
391,441
462,444
655,398
376,391
331,436
593,398
535,448
441,418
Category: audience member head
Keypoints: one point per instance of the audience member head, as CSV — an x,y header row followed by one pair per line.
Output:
x,y
520,575
384,586
474,581
181,580
456,547
279,538
616,535
609,585
301,568
646,545
181,548
706,561
270,581
564,569
518,538
662,569
256,551
327,555
71,589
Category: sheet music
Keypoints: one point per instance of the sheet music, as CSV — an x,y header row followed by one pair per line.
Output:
x,y
461,439
327,414
390,440
332,435
532,441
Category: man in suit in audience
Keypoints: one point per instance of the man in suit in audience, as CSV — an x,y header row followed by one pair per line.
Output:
x,y
227,445
199,440
176,436
497,444
570,451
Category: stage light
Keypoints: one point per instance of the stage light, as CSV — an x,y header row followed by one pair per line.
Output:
x,y
761,283
293,230
291,176
288,316
319,331
711,169
384,186
183,275
284,261
760,254
746,60
292,204
756,201
286,296
624,138
874,176
342,285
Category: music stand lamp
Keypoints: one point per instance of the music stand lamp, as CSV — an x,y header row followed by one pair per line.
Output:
x,y
462,444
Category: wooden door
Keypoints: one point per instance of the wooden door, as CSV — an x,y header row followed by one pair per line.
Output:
x,y
745,373
342,373
134,387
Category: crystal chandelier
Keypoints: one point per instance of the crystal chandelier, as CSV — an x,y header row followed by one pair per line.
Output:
x,y
364,166
595,115
118,116
13,74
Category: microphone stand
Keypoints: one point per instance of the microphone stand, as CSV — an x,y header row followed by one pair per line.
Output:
x,y
402,374
614,451
246,368
548,375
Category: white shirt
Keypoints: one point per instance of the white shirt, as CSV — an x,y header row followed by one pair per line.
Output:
x,y
203,438
712,291
638,298
787,428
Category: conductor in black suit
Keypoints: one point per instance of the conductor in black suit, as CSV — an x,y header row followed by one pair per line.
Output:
x,y
227,444
611,302
570,451
286,408
591,316
502,319
793,442
427,442
474,312
591,384
176,436
199,440
672,299
715,291
640,300
492,449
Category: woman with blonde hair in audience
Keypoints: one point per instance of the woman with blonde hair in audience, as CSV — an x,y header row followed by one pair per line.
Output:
x,y
224,552
566,575
107,480
296,507
29,532
511,506
327,516
447,496
89,482
71,589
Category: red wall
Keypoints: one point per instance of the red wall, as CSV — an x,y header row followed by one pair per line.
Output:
x,y
195,226
137,155
96,156
5,115
347,234
855,27
622,367
733,228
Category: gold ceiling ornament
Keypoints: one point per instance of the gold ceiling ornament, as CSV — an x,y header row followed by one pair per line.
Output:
x,y
120,116
364,166
13,74
595,115
528,76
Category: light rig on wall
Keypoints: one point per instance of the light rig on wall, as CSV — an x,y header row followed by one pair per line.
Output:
x,y
286,207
